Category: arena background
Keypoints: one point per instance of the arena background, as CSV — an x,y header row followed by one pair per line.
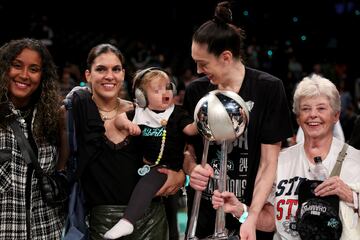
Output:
x,y
290,39
285,38
330,26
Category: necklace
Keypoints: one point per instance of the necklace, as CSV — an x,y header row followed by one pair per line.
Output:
x,y
108,114
146,168
116,106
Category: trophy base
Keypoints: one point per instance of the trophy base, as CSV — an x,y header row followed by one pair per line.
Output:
x,y
219,236
222,236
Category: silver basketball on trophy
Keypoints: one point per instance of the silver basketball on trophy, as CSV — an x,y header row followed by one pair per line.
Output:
x,y
221,115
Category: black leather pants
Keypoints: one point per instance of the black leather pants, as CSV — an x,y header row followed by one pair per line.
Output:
x,y
152,226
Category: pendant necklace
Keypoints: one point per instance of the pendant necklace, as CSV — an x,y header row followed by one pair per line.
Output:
x,y
146,168
107,117
107,114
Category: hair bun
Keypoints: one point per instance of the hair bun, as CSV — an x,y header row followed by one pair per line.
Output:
x,y
223,12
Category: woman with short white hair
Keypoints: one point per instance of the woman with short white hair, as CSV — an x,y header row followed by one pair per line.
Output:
x,y
317,108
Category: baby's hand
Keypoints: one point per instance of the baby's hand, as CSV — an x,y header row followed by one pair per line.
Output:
x,y
123,123
133,129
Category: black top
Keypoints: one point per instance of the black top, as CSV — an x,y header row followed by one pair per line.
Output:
x,y
269,122
108,171
151,138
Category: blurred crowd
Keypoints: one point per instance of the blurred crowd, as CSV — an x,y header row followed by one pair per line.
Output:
x,y
322,50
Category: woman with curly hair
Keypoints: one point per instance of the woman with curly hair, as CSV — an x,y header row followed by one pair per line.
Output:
x,y
29,96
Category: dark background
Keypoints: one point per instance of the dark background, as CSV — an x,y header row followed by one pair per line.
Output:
x,y
332,33
285,37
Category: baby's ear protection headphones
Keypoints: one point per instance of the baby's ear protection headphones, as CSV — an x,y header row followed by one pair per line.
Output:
x,y
140,94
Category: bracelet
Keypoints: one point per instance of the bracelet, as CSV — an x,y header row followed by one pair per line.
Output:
x,y
244,215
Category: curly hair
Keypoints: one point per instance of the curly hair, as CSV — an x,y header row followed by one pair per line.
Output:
x,y
45,98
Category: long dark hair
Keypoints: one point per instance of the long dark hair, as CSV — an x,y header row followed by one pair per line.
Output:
x,y
45,98
220,34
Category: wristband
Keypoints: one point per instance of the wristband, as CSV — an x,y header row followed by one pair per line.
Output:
x,y
244,215
187,181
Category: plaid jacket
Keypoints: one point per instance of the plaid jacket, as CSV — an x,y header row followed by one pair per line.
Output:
x,y
45,222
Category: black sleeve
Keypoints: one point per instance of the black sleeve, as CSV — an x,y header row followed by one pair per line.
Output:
x,y
277,119
194,92
130,115
185,118
89,128
86,115
189,103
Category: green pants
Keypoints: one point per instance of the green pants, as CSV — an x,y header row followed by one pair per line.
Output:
x,y
152,226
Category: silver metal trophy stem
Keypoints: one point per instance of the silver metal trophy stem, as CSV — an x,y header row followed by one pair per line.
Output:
x,y
220,230
223,116
196,203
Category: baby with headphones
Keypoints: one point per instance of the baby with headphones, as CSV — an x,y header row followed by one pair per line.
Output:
x,y
163,127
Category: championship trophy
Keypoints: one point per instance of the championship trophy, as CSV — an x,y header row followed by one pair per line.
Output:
x,y
220,116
